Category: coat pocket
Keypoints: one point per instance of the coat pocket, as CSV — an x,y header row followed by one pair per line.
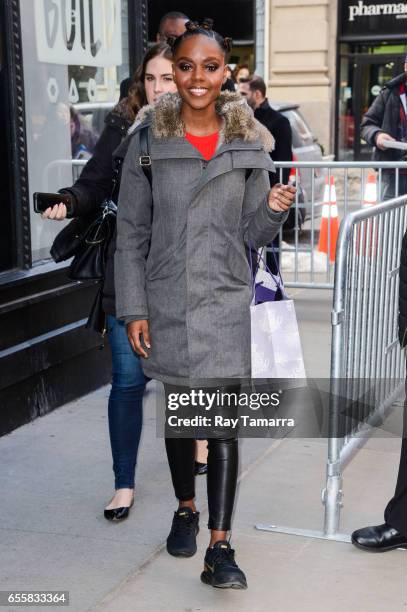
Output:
x,y
237,262
161,264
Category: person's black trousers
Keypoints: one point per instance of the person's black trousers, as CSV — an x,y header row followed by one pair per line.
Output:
x,y
395,513
389,184
222,467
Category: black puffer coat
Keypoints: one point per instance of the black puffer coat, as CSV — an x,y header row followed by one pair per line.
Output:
x,y
384,116
403,293
95,184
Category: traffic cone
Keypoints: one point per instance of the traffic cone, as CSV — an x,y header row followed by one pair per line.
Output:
x,y
370,196
330,222
293,177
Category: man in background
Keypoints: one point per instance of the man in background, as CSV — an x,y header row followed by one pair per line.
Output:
x,y
171,24
386,120
255,91
275,122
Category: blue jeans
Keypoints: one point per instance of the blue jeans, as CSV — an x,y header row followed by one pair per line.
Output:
x,y
125,404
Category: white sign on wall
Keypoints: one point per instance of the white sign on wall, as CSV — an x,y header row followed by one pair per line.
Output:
x,y
79,32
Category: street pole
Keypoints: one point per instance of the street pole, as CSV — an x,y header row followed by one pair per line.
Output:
x,y
259,36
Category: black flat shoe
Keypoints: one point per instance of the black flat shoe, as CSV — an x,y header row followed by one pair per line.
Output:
x,y
200,468
118,514
378,538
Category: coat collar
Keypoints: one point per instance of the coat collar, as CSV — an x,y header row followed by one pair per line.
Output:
x,y
395,82
239,123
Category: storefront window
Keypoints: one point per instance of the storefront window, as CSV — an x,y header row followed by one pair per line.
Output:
x,y
75,54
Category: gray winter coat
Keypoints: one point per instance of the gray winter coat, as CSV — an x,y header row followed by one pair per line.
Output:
x,y
180,260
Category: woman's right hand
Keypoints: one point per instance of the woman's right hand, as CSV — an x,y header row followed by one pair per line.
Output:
x,y
57,212
135,329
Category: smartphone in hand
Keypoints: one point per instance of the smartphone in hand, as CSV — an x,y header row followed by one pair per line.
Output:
x,y
42,200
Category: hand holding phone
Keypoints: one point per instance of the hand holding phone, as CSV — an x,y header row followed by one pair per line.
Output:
x,y
56,213
43,201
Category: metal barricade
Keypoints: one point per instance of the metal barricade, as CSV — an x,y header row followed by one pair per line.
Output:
x,y
367,363
54,171
341,183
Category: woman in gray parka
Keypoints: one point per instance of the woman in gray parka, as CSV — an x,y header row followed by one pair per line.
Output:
x,y
183,284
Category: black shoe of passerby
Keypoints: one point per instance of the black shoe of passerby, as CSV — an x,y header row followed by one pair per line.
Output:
x,y
200,468
118,514
181,541
378,538
221,569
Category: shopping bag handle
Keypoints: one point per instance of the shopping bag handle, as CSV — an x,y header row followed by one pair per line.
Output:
x,y
278,278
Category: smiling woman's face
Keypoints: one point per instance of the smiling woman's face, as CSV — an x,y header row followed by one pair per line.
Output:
x,y
199,71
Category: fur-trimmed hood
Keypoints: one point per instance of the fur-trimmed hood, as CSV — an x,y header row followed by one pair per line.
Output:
x,y
238,119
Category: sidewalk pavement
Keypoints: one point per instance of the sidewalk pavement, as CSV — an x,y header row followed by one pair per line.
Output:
x,y
56,478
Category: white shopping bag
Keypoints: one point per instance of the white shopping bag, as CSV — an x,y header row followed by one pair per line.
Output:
x,y
276,346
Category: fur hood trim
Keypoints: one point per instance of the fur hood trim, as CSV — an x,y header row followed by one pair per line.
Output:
x,y
238,119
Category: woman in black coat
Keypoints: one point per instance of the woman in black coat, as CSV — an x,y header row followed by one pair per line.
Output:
x,y
153,78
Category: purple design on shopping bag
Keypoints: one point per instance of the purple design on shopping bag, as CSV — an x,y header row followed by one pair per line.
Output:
x,y
264,294
261,293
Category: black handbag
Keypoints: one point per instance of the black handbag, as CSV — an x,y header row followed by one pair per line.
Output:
x,y
87,238
89,261
69,239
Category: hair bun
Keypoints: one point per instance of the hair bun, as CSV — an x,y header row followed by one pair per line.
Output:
x,y
190,26
207,23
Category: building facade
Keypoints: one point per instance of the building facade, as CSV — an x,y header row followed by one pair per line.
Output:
x,y
301,60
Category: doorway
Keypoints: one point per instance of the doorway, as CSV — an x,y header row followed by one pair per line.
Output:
x,y
361,79
371,74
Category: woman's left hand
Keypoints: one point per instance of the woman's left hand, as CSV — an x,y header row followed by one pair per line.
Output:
x,y
281,197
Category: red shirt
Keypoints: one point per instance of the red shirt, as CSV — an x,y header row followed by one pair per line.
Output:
x,y
206,145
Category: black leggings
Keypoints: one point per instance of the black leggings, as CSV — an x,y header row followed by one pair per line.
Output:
x,y
221,477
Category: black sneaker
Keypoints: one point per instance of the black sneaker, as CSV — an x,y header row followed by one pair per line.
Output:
x,y
182,539
221,570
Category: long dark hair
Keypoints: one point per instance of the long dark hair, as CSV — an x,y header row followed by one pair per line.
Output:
x,y
137,93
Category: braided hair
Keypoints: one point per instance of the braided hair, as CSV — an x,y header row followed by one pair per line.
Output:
x,y
205,28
